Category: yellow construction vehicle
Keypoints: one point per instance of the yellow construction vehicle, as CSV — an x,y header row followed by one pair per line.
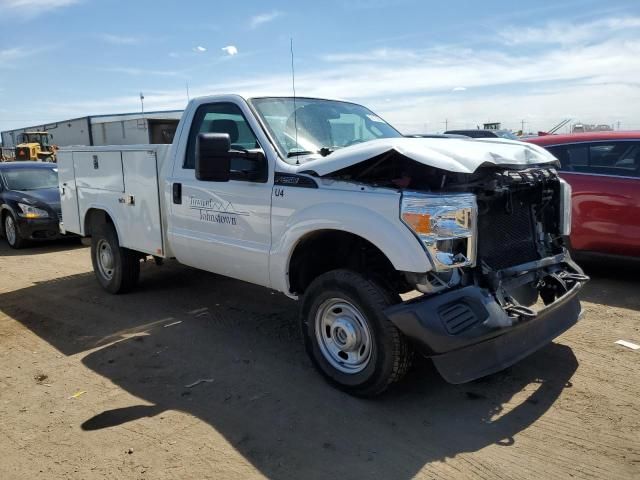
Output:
x,y
36,146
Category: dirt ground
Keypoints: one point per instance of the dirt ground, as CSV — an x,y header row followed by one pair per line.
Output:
x,y
96,386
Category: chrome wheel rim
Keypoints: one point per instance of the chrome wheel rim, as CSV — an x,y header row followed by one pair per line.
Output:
x,y
343,335
104,259
10,230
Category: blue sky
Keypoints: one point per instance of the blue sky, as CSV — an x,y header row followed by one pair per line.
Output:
x,y
417,63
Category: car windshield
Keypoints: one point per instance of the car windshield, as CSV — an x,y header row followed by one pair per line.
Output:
x,y
30,178
307,126
506,134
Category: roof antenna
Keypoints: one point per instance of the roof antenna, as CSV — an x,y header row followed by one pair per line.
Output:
x,y
295,109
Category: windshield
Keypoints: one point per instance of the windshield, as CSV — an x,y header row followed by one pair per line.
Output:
x,y
319,126
31,178
506,134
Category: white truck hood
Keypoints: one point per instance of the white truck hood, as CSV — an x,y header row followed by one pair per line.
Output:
x,y
459,155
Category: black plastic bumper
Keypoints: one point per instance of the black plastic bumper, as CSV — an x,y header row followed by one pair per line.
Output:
x,y
453,329
38,229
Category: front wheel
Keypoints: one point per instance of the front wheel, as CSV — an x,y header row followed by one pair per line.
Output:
x,y
117,269
11,232
347,335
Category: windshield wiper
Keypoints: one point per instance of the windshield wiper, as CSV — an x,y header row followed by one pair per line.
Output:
x,y
324,151
299,153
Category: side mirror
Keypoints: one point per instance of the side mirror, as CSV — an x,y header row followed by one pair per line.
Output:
x,y
213,161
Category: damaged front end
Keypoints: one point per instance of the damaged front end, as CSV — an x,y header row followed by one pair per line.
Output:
x,y
502,284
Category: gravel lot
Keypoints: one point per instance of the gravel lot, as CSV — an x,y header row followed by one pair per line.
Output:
x,y
570,410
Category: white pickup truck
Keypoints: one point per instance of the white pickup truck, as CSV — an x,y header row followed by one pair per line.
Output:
x,y
324,201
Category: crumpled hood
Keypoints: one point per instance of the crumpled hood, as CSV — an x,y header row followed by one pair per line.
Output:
x,y
459,155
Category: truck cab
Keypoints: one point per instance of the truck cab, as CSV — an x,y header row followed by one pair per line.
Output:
x,y
327,203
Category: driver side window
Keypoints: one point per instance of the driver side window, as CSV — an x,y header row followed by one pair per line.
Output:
x,y
223,118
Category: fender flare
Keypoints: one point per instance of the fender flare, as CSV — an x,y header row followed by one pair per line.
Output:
x,y
107,211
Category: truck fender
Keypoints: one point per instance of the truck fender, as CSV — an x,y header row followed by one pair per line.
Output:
x,y
106,210
392,238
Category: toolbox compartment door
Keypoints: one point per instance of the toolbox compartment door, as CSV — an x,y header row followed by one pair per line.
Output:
x,y
139,208
70,221
99,170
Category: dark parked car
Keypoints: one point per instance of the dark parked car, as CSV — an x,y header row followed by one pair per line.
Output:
x,y
603,169
473,133
484,133
29,202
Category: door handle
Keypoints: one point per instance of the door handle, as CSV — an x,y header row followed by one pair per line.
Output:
x,y
127,200
177,193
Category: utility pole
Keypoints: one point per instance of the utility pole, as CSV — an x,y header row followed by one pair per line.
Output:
x,y
522,122
446,124
618,124
142,103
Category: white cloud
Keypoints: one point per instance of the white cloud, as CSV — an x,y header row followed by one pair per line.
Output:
x,y
566,33
11,57
541,109
10,54
120,39
594,82
32,8
263,18
380,54
142,71
458,89
199,49
230,50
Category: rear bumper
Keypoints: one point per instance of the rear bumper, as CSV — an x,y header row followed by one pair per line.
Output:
x,y
457,329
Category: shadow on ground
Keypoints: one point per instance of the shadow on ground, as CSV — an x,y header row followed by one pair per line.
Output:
x,y
41,247
613,284
265,398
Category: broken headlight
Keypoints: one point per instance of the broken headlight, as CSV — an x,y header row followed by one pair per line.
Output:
x,y
446,224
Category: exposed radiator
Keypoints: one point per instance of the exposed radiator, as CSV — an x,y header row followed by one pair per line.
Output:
x,y
506,234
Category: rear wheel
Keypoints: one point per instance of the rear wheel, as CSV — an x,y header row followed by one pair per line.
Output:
x,y
11,233
347,335
117,269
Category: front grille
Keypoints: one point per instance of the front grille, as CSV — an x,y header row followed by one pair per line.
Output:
x,y
506,234
60,216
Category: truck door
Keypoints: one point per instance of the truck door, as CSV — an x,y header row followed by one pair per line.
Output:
x,y
222,227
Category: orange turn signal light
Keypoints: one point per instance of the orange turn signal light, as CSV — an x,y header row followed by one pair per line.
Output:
x,y
419,223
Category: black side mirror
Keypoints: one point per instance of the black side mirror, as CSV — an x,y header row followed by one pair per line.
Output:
x,y
213,159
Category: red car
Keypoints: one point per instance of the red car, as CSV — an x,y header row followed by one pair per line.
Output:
x,y
603,169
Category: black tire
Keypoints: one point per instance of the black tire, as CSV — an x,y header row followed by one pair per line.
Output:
x,y
15,240
391,354
125,263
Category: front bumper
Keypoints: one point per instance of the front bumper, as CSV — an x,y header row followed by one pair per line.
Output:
x,y
458,330
38,228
